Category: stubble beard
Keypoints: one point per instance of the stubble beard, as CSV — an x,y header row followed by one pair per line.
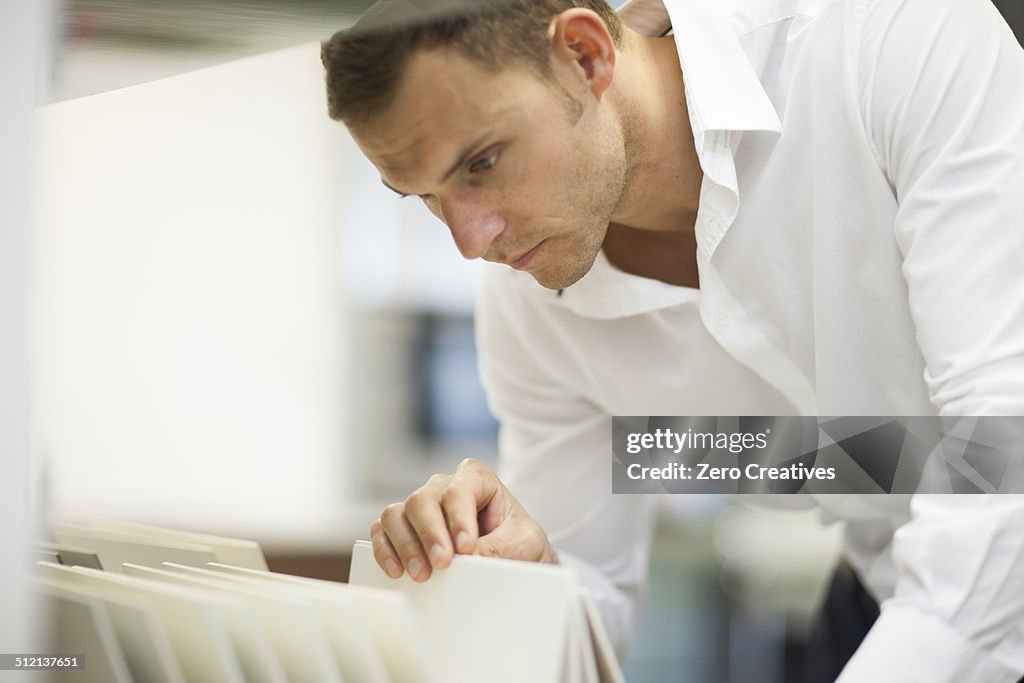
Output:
x,y
595,209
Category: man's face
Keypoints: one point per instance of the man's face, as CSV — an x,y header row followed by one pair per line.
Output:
x,y
520,173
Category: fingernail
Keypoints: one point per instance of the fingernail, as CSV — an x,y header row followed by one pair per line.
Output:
x,y
415,567
462,541
392,569
436,553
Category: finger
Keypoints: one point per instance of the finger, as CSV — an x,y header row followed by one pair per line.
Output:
x,y
405,541
515,539
470,489
384,552
423,510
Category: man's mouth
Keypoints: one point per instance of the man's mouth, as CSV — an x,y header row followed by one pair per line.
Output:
x,y
522,261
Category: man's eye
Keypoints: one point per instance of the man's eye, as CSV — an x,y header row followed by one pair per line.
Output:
x,y
484,163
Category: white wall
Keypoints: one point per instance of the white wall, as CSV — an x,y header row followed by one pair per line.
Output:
x,y
191,354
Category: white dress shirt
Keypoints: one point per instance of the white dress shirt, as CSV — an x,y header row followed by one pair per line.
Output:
x,y
860,251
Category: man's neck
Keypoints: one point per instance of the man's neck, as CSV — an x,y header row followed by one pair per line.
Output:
x,y
663,172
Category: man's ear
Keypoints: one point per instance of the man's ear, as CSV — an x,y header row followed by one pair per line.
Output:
x,y
581,40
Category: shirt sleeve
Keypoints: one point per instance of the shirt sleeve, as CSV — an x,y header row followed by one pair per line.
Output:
x,y
956,615
555,457
943,100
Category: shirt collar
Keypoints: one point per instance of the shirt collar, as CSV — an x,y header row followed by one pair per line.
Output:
x,y
606,293
723,92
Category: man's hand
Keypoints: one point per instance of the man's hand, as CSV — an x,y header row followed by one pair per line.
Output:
x,y
469,512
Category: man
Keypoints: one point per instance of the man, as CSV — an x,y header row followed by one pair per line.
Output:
x,y
776,208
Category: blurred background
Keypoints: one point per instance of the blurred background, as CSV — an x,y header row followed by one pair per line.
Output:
x,y
236,329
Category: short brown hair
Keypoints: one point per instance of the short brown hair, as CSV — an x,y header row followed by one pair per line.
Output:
x,y
364,64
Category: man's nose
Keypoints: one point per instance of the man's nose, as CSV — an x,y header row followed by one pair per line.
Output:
x,y
473,227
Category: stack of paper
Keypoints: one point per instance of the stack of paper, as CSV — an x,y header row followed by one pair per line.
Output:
x,y
500,620
176,607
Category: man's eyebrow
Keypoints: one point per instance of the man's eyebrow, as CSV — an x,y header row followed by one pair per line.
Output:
x,y
465,154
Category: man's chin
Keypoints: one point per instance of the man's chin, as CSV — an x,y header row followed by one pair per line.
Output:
x,y
561,279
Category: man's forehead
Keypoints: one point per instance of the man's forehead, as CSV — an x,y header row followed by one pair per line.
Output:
x,y
443,102
428,102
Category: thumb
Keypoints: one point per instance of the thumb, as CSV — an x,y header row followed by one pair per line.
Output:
x,y
514,539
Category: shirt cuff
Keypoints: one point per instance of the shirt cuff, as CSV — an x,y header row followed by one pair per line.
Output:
x,y
906,644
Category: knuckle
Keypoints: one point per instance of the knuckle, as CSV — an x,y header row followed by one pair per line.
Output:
x,y
376,528
470,465
438,480
392,513
449,495
416,499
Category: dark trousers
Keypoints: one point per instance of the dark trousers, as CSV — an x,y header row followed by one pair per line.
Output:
x,y
844,620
